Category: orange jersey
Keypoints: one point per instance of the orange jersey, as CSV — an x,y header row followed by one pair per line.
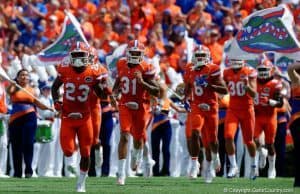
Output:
x,y
199,80
103,75
77,87
239,99
95,105
266,91
131,89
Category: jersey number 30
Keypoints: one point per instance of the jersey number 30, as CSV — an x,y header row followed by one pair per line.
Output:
x,y
71,88
236,89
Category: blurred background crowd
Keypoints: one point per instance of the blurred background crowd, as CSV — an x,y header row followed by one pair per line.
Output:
x,y
28,26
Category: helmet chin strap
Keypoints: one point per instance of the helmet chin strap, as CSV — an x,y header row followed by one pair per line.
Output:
x,y
198,66
131,65
78,63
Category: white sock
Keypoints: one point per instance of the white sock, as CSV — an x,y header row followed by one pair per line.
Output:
x,y
194,162
272,160
70,160
146,152
98,155
232,160
259,149
252,160
82,176
138,154
208,165
121,167
256,157
214,156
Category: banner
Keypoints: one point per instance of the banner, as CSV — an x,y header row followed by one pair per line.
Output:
x,y
268,30
59,50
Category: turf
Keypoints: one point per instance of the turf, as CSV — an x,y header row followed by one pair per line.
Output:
x,y
161,185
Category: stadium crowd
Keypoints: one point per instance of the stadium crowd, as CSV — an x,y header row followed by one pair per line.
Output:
x,y
162,26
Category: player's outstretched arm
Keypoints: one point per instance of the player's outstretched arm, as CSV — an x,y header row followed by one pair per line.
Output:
x,y
55,89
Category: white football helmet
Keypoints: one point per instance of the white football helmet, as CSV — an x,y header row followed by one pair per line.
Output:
x,y
236,63
135,52
201,56
264,69
79,55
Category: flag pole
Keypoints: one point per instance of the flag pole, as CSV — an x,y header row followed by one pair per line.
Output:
x,y
175,93
5,76
77,26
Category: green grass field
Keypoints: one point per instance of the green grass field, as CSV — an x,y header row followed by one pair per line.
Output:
x,y
162,185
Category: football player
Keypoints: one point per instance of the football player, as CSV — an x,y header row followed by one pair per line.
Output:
x,y
268,97
96,107
79,80
203,82
135,82
241,83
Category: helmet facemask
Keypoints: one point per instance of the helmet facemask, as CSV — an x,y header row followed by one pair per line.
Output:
x,y
236,63
135,56
200,59
263,72
79,58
